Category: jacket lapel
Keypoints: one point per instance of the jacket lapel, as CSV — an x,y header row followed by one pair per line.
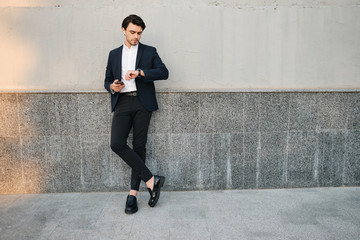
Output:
x,y
120,61
139,55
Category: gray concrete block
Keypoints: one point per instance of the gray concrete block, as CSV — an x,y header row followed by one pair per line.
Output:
x,y
34,114
274,112
184,113
221,112
251,159
184,165
302,155
37,169
303,112
229,113
158,160
244,157
161,119
158,155
48,164
64,115
120,173
272,160
252,109
237,160
354,111
9,115
11,178
64,157
332,111
207,111
207,165
94,114
96,162
222,162
215,165
352,161
331,158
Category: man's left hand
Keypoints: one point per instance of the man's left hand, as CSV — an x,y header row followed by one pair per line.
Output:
x,y
131,74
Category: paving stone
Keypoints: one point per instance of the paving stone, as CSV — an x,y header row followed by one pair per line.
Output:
x,y
324,213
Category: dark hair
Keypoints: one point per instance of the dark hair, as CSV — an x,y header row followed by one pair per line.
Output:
x,y
134,19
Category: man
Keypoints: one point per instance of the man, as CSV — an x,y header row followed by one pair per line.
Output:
x,y
130,74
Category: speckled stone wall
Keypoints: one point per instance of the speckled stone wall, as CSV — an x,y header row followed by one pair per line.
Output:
x,y
61,142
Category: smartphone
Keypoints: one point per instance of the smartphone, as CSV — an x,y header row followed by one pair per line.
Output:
x,y
119,82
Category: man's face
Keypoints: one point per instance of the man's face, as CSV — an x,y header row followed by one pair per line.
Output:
x,y
132,34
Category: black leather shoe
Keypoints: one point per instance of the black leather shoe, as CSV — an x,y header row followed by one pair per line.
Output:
x,y
131,205
155,193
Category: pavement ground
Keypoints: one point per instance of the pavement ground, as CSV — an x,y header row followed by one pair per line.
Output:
x,y
310,213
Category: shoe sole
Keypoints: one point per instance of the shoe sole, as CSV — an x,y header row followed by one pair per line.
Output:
x,y
162,181
131,211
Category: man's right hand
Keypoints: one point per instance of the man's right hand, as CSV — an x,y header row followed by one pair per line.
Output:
x,y
117,85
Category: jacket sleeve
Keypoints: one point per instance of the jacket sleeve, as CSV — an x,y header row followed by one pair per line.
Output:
x,y
109,77
158,70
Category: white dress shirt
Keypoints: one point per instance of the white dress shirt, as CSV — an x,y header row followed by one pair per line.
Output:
x,y
128,62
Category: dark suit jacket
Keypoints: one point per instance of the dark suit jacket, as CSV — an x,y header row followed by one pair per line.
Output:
x,y
154,69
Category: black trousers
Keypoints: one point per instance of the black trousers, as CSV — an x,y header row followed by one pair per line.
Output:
x,y
130,113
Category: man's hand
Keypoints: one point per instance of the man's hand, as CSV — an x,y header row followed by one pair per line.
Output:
x,y
131,74
117,85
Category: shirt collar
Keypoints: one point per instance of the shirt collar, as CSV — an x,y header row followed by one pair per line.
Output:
x,y
131,47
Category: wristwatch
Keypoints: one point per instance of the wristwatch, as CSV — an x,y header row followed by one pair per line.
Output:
x,y
139,70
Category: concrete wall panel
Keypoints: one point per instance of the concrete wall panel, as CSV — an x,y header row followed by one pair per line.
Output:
x,y
352,161
51,45
302,158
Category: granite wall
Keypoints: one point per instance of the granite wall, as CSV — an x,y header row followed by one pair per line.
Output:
x,y
53,142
